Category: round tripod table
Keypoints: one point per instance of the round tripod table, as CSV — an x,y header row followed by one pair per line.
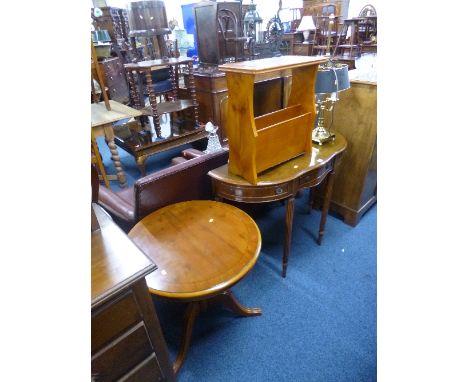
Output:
x,y
202,248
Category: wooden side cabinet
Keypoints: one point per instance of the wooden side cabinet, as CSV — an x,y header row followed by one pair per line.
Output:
x,y
355,188
126,339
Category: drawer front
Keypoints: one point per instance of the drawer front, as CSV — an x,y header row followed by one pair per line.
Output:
x,y
316,176
254,194
149,370
121,355
112,319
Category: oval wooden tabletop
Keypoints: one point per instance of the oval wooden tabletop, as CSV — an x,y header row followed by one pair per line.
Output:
x,y
289,170
201,248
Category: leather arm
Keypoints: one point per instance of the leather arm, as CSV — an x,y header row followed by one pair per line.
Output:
x,y
116,205
187,155
192,153
178,160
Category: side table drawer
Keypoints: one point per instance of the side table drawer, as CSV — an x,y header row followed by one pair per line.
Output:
x,y
121,355
316,176
252,193
112,319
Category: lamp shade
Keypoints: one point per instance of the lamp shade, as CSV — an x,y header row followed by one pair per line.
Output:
x,y
332,79
307,24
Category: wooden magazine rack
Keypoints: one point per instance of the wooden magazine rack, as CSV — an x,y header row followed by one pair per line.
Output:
x,y
259,143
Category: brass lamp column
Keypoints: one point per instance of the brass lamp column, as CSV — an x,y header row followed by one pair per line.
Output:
x,y
331,79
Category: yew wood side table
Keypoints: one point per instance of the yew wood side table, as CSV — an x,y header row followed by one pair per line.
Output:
x,y
202,249
283,182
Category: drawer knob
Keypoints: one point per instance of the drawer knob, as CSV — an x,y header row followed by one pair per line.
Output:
x,y
279,190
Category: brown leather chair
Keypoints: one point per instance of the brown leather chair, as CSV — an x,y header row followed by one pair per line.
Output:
x,y
187,180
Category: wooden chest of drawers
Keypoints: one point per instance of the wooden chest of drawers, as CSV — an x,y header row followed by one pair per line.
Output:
x,y
126,340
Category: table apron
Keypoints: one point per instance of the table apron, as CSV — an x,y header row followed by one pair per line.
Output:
x,y
269,193
315,177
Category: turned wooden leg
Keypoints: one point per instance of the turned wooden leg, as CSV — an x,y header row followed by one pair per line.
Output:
x,y
193,93
228,299
326,205
109,136
288,233
141,165
153,103
191,314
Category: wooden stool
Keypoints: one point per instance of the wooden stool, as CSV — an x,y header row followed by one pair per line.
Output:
x,y
202,249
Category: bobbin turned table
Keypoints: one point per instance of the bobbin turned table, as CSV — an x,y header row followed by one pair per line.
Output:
x,y
180,113
202,249
101,125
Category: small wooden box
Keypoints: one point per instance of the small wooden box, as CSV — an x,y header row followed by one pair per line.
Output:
x,y
259,143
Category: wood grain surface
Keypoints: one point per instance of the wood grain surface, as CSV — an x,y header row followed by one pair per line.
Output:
x,y
201,247
265,65
289,170
115,260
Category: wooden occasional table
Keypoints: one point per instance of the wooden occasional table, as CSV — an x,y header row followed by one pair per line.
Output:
x,y
283,182
202,249
101,124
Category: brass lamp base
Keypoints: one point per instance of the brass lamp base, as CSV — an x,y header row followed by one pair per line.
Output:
x,y
322,135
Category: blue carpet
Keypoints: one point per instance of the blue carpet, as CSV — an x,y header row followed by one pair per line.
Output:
x,y
318,324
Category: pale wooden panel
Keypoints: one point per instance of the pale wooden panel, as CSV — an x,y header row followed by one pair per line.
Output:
x,y
101,116
283,141
279,115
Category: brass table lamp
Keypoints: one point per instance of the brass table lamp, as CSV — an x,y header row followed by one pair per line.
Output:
x,y
331,79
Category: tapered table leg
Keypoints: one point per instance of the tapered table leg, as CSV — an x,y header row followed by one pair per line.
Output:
x,y
326,205
288,233
311,200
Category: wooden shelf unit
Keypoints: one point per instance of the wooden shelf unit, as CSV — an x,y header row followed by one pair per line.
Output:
x,y
259,143
184,126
